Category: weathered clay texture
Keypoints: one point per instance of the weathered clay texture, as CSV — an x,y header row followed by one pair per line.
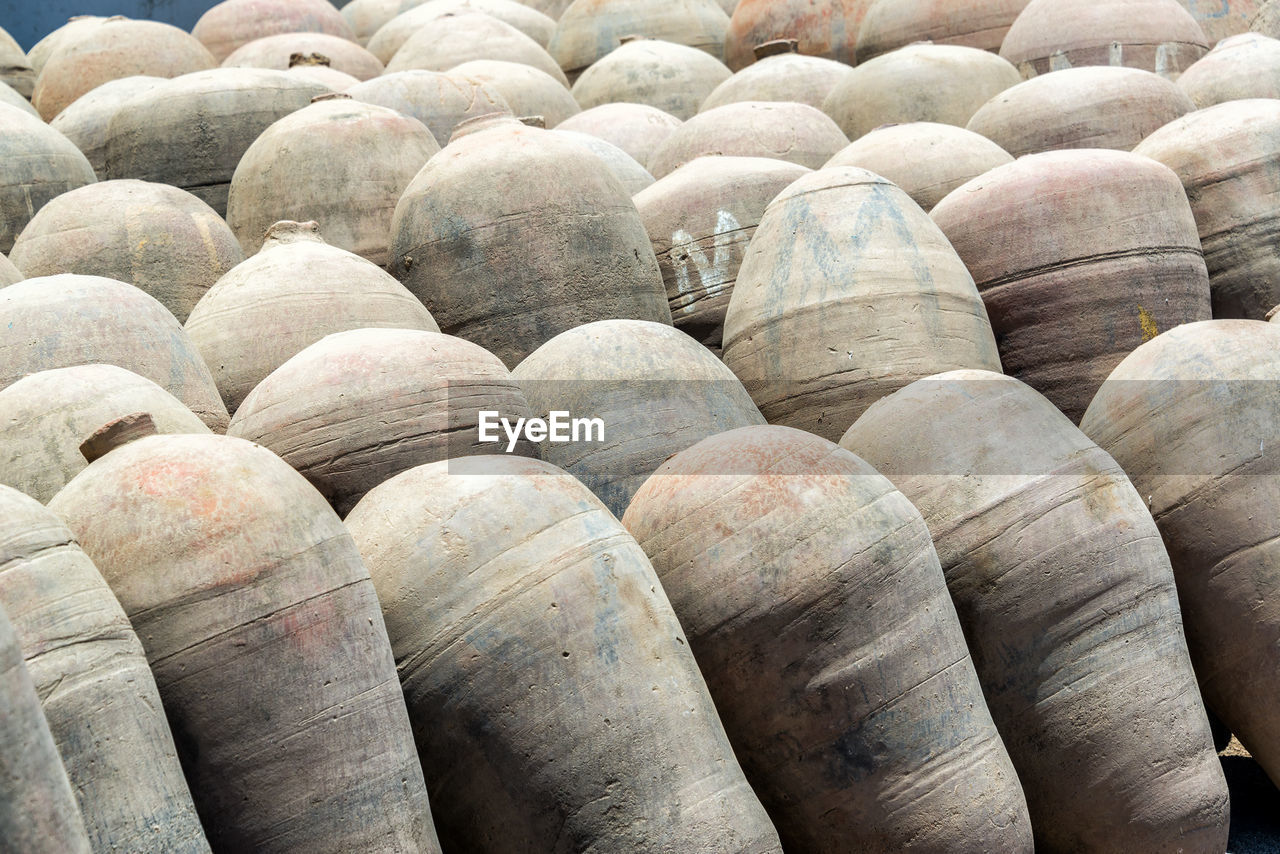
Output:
x,y
39,164
781,130
294,292
9,274
1069,606
38,812
388,39
263,631
1080,257
891,24
1225,156
670,77
46,415
827,28
339,162
232,23
787,76
1222,19
848,292
700,219
68,320
438,100
631,175
815,605
656,390
115,48
1092,107
155,237
1243,66
918,83
359,407
1191,417
510,236
590,29
98,695
455,39
1155,35
86,119
277,52
192,131
526,90
637,129
926,159
555,702
15,66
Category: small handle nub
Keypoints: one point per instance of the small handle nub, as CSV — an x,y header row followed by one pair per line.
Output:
x,y
296,59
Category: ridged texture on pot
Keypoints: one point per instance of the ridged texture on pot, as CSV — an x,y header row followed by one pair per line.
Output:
x,y
47,46
155,237
1222,19
671,77
926,159
455,39
552,693
590,29
436,99
1190,416
1155,35
848,292
68,320
389,38
1092,107
656,389
85,120
339,162
1080,257
98,694
9,274
276,52
15,66
38,812
191,132
39,164
1068,602
826,28
637,129
814,602
226,27
782,130
45,416
115,48
918,83
1243,66
891,24
263,631
631,175
785,77
700,219
359,407
510,236
1225,157
10,97
294,292
526,90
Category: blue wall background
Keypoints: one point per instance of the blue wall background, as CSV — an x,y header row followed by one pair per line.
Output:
x,y
28,21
